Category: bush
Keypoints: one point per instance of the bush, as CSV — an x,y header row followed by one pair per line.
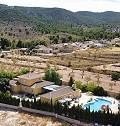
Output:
x,y
90,69
115,76
96,90
100,91
118,96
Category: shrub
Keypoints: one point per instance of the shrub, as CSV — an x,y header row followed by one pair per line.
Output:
x,y
90,69
100,91
115,76
118,96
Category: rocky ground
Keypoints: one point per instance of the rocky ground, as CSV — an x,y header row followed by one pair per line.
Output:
x,y
13,118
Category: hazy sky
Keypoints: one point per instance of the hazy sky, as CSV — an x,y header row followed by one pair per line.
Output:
x,y
73,5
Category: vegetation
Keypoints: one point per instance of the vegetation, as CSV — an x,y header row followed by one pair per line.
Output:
x,y
55,25
7,99
115,76
11,75
53,76
96,90
81,60
5,77
71,81
57,15
75,112
118,96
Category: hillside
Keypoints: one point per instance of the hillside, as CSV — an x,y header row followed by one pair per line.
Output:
x,y
27,14
55,25
108,17
56,15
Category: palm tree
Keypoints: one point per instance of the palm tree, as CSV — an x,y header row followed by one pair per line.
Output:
x,y
111,85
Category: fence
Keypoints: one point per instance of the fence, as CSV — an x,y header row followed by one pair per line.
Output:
x,y
24,109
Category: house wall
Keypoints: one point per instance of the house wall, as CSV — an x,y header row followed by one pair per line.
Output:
x,y
16,88
26,89
24,109
28,82
42,51
70,95
46,51
67,50
37,90
32,90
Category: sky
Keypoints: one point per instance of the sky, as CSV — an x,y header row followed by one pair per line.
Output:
x,y
72,5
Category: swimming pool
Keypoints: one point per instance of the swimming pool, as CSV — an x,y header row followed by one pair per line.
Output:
x,y
96,104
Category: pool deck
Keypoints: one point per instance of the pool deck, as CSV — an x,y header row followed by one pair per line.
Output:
x,y
85,97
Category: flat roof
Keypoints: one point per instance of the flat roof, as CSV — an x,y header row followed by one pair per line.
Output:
x,y
30,76
14,83
61,92
42,84
52,87
65,100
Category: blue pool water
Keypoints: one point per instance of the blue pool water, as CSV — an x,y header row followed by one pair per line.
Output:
x,y
96,105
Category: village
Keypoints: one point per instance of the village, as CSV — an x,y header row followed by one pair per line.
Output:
x,y
87,65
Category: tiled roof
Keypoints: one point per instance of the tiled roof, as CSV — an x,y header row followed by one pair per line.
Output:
x,y
61,92
42,84
14,82
30,76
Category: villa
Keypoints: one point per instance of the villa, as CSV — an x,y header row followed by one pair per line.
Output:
x,y
42,49
30,83
63,92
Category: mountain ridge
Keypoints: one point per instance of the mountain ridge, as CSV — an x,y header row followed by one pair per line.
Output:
x,y
58,15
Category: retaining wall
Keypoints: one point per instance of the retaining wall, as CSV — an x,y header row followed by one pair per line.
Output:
x,y
72,121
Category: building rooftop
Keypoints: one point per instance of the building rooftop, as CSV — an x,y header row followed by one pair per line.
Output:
x,y
61,92
53,87
42,47
30,76
42,84
14,82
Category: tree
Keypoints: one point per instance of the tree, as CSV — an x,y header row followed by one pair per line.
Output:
x,y
48,65
115,76
118,96
98,82
100,91
19,44
4,43
71,81
69,38
104,68
111,85
69,64
87,79
7,94
52,75
83,70
47,75
98,76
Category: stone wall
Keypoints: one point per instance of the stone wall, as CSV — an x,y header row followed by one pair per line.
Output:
x,y
29,110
